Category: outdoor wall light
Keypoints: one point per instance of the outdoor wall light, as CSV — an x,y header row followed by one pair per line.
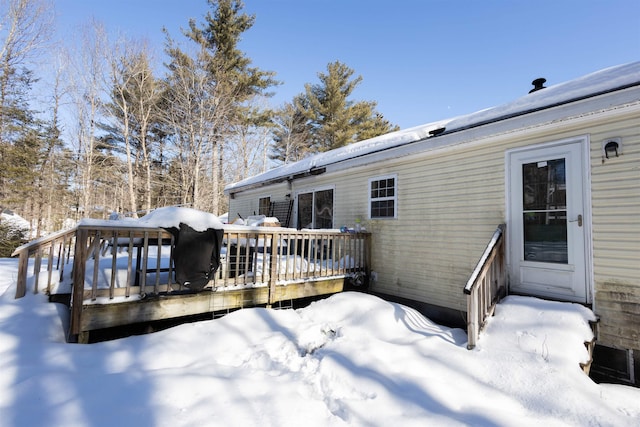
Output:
x,y
611,147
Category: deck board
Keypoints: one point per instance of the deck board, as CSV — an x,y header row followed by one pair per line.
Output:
x,y
101,316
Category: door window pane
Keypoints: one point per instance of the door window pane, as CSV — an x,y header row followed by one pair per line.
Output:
x,y
264,205
545,237
324,209
544,185
544,211
315,210
305,210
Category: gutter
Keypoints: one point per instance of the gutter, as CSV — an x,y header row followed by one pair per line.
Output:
x,y
310,172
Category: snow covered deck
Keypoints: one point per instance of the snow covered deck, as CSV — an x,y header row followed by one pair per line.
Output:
x,y
123,271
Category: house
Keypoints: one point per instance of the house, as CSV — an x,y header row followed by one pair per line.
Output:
x,y
560,166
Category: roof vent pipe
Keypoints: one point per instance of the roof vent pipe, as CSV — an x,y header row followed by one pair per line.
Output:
x,y
538,84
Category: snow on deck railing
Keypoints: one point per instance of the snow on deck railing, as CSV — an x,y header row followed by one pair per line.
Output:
x,y
104,270
252,257
55,247
486,285
245,260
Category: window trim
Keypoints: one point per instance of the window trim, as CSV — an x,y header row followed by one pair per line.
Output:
x,y
394,198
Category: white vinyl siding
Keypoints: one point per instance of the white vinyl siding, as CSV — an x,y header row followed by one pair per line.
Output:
x,y
453,198
616,234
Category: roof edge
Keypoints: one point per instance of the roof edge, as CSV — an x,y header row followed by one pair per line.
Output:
x,y
462,123
534,110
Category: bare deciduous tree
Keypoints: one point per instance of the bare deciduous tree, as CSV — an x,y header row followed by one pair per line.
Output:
x,y
24,26
87,83
193,109
135,94
146,94
50,192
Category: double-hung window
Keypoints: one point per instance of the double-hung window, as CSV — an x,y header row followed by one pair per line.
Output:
x,y
383,197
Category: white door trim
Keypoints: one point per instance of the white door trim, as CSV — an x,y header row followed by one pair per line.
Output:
x,y
584,143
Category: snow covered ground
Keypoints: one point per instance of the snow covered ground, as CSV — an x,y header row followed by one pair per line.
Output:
x,y
349,360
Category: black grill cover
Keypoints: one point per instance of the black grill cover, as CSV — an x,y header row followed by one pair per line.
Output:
x,y
196,255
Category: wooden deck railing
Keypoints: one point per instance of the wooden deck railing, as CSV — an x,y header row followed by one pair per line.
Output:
x,y
124,263
127,260
98,261
486,285
246,258
56,248
300,255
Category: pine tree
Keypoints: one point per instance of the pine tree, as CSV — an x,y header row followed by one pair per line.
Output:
x,y
375,126
21,143
11,236
24,26
335,120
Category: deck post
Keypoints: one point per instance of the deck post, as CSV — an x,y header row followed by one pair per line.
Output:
x,y
36,270
472,320
77,294
366,242
52,251
273,268
23,262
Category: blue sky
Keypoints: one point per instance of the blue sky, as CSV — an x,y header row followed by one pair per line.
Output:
x,y
421,61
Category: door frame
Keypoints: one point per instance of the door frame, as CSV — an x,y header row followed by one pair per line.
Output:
x,y
583,141
312,190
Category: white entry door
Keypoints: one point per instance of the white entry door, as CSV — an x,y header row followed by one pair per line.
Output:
x,y
547,225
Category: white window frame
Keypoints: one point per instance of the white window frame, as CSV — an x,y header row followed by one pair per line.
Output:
x,y
378,199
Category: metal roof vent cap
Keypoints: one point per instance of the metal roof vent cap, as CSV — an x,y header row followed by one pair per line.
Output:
x,y
538,84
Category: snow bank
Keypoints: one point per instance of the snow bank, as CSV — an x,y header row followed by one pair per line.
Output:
x,y
349,360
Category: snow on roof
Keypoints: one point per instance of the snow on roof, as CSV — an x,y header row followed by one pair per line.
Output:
x,y
600,82
357,149
603,81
